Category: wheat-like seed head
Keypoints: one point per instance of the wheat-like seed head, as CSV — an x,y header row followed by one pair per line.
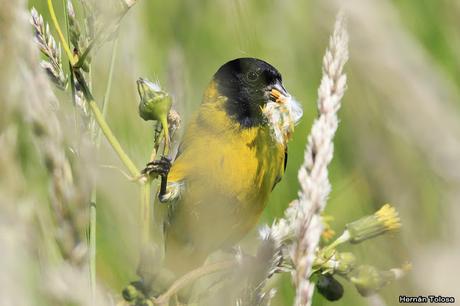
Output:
x,y
49,47
302,219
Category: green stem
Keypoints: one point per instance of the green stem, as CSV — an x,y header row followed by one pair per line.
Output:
x,y
191,277
164,123
64,43
93,211
105,127
146,211
105,103
92,244
345,237
112,139
83,57
72,80
92,206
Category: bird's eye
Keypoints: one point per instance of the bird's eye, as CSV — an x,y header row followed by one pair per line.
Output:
x,y
252,76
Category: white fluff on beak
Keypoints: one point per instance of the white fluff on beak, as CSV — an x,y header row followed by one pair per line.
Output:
x,y
296,110
282,116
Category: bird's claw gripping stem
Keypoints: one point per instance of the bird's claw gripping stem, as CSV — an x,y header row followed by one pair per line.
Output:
x,y
160,168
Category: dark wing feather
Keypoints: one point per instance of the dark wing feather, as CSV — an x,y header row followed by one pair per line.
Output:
x,y
278,178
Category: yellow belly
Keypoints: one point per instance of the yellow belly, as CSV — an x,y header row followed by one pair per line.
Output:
x,y
228,174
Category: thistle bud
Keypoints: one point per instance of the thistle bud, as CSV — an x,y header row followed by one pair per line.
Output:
x,y
384,220
155,104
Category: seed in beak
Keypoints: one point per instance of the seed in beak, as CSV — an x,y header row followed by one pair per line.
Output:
x,y
276,96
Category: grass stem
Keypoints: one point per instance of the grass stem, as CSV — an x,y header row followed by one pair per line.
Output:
x,y
191,277
64,43
112,139
146,211
134,172
92,244
108,88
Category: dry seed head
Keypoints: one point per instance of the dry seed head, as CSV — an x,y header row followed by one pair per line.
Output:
x,y
304,215
49,47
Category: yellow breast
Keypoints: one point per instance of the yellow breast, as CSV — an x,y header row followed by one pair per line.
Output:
x,y
228,173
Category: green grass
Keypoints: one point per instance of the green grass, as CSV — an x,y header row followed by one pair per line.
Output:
x,y
205,34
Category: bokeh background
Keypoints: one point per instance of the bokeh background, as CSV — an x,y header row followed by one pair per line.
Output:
x,y
398,140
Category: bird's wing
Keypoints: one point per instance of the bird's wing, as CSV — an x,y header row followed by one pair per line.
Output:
x,y
280,176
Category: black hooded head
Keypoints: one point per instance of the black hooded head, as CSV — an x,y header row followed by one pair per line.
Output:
x,y
246,83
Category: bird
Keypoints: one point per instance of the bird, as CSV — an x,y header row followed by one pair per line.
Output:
x,y
232,154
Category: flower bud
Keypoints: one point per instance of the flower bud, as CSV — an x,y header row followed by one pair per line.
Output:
x,y
346,262
384,220
155,103
368,280
332,262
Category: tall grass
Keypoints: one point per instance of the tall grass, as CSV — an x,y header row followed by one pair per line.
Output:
x,y
401,98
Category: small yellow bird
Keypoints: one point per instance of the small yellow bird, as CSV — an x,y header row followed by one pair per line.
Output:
x,y
233,153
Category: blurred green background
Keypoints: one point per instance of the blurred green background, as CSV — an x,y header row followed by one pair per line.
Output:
x,y
398,140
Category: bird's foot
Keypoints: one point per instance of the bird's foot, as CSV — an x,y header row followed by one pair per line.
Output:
x,y
158,167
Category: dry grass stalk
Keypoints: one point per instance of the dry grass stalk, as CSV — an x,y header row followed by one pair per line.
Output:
x,y
29,111
313,174
302,221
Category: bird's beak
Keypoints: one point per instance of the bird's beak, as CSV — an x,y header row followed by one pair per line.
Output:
x,y
282,112
278,93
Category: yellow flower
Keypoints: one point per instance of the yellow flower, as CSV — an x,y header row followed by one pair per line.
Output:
x,y
384,220
328,232
389,217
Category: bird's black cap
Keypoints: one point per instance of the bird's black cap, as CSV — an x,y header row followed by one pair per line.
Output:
x,y
244,82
